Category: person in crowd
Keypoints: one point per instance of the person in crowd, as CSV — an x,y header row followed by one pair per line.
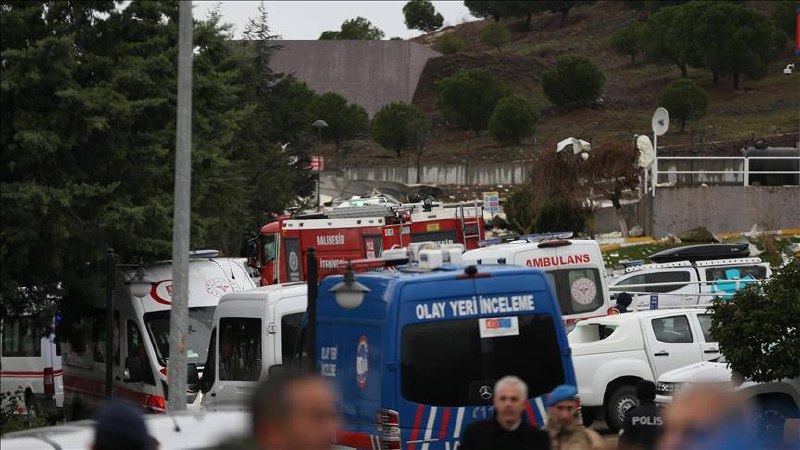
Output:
x,y
507,430
295,411
624,301
642,425
564,425
120,426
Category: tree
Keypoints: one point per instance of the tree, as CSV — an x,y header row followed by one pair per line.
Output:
x,y
421,15
563,7
627,41
735,40
449,44
359,29
513,119
401,127
495,35
559,213
684,100
519,208
468,98
574,82
769,315
345,120
484,9
670,36
785,16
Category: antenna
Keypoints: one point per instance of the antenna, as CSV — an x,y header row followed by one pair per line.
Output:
x,y
660,125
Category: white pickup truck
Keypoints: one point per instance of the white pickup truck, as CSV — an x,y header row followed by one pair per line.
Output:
x,y
686,283
612,354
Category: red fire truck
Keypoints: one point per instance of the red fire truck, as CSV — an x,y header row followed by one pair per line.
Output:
x,y
358,230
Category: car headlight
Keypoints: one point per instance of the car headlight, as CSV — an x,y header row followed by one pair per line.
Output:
x,y
665,388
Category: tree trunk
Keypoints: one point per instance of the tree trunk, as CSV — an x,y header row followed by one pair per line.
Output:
x,y
716,76
477,132
564,13
496,18
736,81
684,70
528,22
633,59
683,124
419,168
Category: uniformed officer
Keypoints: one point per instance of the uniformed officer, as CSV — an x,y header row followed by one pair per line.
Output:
x,y
642,425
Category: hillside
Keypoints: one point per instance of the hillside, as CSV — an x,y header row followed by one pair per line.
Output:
x,y
765,109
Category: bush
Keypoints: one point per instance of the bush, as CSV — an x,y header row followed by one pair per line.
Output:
x,y
468,98
574,82
449,44
495,35
627,41
542,50
769,316
513,119
559,213
684,100
421,15
399,127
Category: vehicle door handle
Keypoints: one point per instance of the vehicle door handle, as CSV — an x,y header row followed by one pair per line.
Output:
x,y
661,353
711,350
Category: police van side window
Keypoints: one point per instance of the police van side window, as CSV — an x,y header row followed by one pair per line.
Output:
x,y
673,330
291,324
239,349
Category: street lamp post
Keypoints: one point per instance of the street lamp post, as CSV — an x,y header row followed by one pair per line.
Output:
x,y
319,124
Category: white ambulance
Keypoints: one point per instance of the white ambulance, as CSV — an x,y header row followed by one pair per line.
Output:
x,y
141,336
574,266
251,332
30,365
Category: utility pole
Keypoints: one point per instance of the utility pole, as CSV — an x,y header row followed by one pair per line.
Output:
x,y
179,316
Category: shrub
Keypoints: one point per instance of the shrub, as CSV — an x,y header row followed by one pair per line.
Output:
x,y
559,213
513,119
574,82
627,41
684,100
495,35
468,98
449,44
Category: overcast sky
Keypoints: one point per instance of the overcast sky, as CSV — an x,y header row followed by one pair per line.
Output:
x,y
297,20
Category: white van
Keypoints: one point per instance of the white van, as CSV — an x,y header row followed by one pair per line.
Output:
x,y
686,283
141,336
240,353
574,266
30,363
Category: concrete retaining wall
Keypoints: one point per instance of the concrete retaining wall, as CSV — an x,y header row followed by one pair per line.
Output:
x,y
725,208
368,73
484,174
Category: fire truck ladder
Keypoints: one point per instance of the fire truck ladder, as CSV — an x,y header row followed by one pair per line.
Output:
x,y
469,225
362,211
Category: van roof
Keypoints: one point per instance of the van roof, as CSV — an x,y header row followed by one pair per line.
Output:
x,y
705,263
617,319
525,246
265,293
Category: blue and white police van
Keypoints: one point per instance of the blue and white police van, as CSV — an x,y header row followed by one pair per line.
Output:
x,y
416,359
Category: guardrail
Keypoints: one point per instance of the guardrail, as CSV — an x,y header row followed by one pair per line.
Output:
x,y
743,168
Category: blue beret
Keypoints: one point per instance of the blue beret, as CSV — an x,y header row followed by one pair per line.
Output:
x,y
561,393
121,422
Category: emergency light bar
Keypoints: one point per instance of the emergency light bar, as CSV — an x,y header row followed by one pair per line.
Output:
x,y
524,238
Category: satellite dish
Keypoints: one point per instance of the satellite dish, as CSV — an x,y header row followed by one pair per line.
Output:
x,y
660,121
646,153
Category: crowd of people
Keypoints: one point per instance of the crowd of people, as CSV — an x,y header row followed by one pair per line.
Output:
x,y
300,411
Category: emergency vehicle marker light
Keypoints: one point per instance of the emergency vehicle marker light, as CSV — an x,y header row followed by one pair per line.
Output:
x,y
472,272
550,244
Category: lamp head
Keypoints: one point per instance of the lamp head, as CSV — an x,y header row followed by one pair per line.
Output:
x,y
349,293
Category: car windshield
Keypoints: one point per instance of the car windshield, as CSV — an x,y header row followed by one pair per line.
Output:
x,y
448,362
199,331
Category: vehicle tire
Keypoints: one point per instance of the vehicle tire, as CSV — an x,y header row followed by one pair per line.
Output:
x,y
619,402
770,417
588,416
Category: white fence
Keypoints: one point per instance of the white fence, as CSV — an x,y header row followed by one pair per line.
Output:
x,y
732,170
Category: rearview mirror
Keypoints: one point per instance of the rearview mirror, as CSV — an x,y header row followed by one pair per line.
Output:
x,y
134,370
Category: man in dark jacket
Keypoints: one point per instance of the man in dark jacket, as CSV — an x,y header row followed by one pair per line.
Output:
x,y
642,425
624,300
508,429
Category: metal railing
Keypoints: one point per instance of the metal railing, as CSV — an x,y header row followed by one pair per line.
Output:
x,y
742,168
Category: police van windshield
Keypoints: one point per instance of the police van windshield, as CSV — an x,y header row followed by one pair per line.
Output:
x,y
200,319
578,290
447,362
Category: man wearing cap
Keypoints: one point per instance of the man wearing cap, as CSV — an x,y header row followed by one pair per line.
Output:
x,y
565,428
641,427
507,430
120,427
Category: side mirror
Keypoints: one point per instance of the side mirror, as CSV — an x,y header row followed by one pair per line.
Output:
x,y
192,377
133,371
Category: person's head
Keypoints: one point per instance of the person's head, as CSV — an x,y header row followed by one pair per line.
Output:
x,y
563,405
120,426
624,299
295,411
646,391
510,395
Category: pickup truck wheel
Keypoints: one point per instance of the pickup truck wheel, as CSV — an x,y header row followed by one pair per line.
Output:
x,y
620,401
588,416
